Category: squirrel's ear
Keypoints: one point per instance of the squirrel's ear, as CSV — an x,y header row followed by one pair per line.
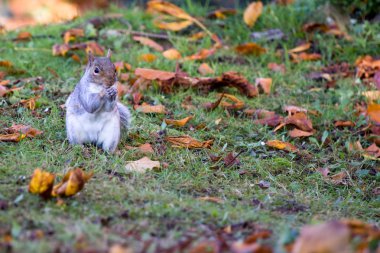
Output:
x,y
109,53
90,58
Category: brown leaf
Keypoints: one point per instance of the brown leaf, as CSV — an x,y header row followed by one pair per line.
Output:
x,y
296,133
265,117
41,183
339,178
265,84
72,183
366,66
76,58
277,67
146,108
146,148
252,13
72,34
300,120
221,13
30,103
341,123
172,54
148,42
300,48
142,165
172,26
152,74
212,105
282,145
58,49
373,151
250,48
188,142
332,237
205,247
230,159
178,123
236,104
15,137
95,48
6,64
211,199
204,69
159,6
17,132
202,54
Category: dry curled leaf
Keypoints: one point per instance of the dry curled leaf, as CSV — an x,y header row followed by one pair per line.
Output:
x,y
282,145
148,42
17,132
172,54
211,199
201,54
367,66
341,123
152,74
250,48
264,117
300,48
146,108
142,165
72,34
41,183
300,120
252,13
72,183
178,123
188,142
306,57
235,103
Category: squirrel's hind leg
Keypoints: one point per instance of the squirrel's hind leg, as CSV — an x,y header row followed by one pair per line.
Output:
x,y
109,137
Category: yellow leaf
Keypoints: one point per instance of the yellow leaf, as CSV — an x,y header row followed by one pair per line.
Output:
x,y
250,48
142,165
146,108
373,111
148,57
72,183
172,26
252,13
282,145
300,48
41,183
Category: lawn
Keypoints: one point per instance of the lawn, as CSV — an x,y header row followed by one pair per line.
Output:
x,y
163,210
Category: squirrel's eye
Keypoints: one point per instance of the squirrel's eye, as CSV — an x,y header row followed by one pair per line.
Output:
x,y
96,70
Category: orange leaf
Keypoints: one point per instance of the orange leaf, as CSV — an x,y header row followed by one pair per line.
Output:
x,y
300,120
188,142
282,145
148,57
23,36
172,54
145,108
15,137
236,103
202,54
221,13
149,42
6,64
152,74
178,123
72,183
41,183
250,48
60,49
300,48
373,111
211,199
277,67
252,13
265,84
306,57
205,69
172,26
95,48
295,133
341,123
167,8
76,58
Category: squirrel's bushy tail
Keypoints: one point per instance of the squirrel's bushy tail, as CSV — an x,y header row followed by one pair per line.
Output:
x,y
125,115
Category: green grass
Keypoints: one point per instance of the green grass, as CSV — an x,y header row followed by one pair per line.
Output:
x,y
132,209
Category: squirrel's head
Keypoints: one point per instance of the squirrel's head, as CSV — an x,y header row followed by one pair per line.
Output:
x,y
101,70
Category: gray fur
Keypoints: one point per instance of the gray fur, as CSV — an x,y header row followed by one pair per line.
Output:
x,y
93,113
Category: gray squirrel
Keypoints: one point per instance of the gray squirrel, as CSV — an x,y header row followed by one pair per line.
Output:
x,y
93,114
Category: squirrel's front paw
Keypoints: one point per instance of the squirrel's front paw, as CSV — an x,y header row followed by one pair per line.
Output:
x,y
111,93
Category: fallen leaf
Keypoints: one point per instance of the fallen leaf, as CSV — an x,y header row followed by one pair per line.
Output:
x,y
300,120
306,57
148,42
211,199
148,57
205,247
202,54
296,133
17,132
146,108
221,13
178,123
264,117
30,103
341,123
263,184
172,26
142,165
72,34
152,74
282,145
62,49
172,54
373,151
373,112
205,69
146,148
212,105
252,13
15,137
250,48
366,66
236,104
300,48
265,84
72,183
41,183
324,171
230,159
331,237
76,58
339,178
372,95
6,64
23,36
188,142
277,67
